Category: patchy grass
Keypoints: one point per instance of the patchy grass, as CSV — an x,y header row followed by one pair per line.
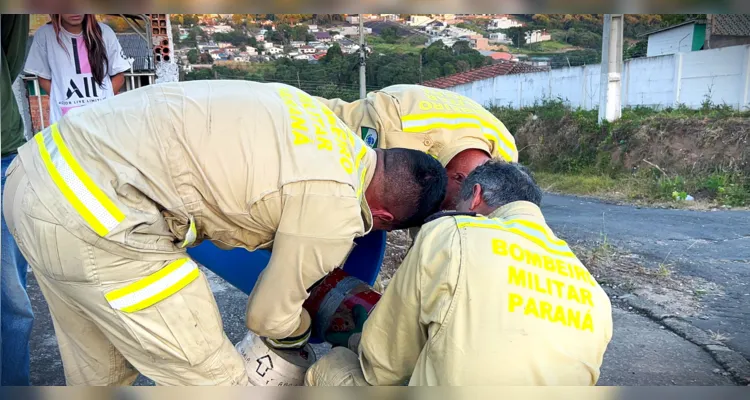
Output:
x,y
670,156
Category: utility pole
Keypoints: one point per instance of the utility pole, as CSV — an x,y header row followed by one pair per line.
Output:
x,y
610,89
362,86
420,67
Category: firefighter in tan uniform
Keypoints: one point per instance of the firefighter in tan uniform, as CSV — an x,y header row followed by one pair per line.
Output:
x,y
456,130
104,204
496,300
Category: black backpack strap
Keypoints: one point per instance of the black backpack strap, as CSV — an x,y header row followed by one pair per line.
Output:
x,y
442,214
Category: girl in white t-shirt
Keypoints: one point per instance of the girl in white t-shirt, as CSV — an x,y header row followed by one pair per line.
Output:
x,y
78,62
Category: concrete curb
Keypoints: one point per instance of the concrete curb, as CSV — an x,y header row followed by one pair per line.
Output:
x,y
733,362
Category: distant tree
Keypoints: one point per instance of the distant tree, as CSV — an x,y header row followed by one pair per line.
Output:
x,y
462,47
333,52
206,58
189,19
237,19
636,50
243,48
389,35
517,35
299,33
193,56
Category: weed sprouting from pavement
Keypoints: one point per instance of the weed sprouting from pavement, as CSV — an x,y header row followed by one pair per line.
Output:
x,y
719,337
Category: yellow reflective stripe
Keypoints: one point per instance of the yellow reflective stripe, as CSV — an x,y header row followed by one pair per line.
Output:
x,y
65,189
83,176
362,170
536,240
537,228
500,136
155,287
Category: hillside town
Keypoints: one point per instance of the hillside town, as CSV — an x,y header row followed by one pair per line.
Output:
x,y
258,41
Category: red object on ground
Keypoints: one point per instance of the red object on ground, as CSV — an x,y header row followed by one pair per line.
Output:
x,y
332,300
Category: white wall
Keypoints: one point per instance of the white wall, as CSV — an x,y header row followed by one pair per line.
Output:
x,y
671,41
665,81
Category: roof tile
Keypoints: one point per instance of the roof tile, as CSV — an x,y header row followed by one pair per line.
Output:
x,y
486,72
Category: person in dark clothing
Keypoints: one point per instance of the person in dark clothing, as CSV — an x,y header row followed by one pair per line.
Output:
x,y
16,316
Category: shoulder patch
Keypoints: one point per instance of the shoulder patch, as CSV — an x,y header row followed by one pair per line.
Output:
x,y
442,214
370,136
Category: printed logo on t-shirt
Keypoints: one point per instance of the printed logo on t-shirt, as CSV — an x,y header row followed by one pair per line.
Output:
x,y
82,89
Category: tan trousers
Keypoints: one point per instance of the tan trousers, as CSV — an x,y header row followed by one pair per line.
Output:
x,y
340,367
179,340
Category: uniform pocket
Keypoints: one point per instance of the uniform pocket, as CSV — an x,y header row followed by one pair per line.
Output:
x,y
53,251
172,313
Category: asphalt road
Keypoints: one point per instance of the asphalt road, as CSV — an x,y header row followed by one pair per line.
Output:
x,y
641,353
713,245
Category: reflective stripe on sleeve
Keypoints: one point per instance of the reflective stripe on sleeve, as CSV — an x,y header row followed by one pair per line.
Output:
x,y
419,123
155,287
91,203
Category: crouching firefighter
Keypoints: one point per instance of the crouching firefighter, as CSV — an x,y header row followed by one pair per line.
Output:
x,y
486,296
104,203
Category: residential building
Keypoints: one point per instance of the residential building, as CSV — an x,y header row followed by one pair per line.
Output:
x,y
223,45
503,23
242,57
260,37
537,36
306,57
447,40
499,37
231,50
312,28
323,37
419,20
274,50
435,28
389,17
210,30
352,19
296,44
680,38
267,45
723,30
251,51
307,50
351,30
478,42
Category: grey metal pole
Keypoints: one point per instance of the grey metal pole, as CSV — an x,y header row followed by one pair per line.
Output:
x,y
362,86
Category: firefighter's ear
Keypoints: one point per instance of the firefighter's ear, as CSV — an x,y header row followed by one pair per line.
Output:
x,y
382,219
476,197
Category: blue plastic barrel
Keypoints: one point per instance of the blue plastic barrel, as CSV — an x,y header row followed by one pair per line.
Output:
x,y
241,268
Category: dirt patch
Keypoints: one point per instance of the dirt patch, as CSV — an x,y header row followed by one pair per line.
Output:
x,y
686,145
627,273
395,251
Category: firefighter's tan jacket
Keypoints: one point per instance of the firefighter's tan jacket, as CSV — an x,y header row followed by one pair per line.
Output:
x,y
243,164
436,121
488,301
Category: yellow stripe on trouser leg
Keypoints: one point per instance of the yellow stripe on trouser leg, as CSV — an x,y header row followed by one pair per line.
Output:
x,y
91,203
81,174
66,192
155,287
